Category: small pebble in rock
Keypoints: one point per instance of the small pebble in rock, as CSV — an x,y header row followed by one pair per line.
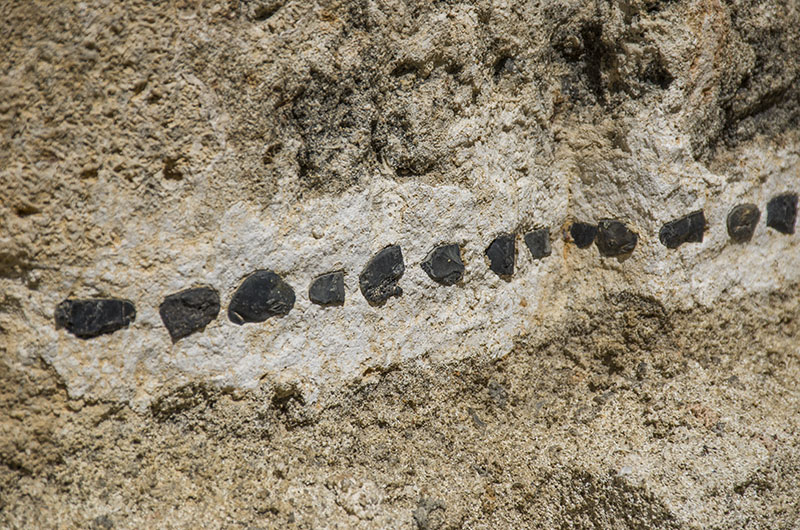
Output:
x,y
327,289
263,294
189,311
742,221
443,264
538,242
92,317
378,280
583,234
687,229
782,212
502,253
614,238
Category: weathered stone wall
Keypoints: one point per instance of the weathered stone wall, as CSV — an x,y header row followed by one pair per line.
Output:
x,y
152,147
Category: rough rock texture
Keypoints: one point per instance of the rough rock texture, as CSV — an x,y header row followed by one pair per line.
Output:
x,y
147,146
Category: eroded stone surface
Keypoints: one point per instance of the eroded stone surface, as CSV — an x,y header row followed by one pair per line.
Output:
x,y
261,295
782,213
378,280
93,317
443,264
538,243
502,252
688,229
583,234
189,311
614,238
742,221
327,289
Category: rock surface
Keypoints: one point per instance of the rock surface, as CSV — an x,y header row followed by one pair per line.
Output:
x,y
687,229
378,280
189,311
502,254
91,318
443,264
262,295
742,221
614,238
148,146
327,289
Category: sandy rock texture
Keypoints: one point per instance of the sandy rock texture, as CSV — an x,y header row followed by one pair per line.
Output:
x,y
151,147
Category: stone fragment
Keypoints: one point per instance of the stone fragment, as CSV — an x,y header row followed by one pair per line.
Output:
x,y
443,264
263,294
188,311
687,229
92,317
327,289
502,253
378,280
538,242
742,221
583,234
614,238
782,212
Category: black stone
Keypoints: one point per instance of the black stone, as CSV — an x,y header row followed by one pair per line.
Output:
x,y
443,264
583,234
188,311
742,221
89,318
263,294
538,242
327,289
502,253
614,238
687,229
378,280
782,212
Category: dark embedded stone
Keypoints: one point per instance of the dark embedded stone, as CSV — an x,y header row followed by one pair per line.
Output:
x,y
89,318
263,294
742,221
782,212
538,242
188,311
501,253
583,234
378,280
443,264
687,229
327,289
614,238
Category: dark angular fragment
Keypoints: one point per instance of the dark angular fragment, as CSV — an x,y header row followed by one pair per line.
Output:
x,y
327,289
583,234
378,280
687,229
97,316
443,264
614,238
188,311
538,242
742,221
263,294
782,212
502,253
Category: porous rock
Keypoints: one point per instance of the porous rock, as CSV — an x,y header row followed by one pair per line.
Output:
x,y
782,213
502,253
687,229
443,264
378,280
93,317
327,289
261,295
189,311
742,221
538,243
614,238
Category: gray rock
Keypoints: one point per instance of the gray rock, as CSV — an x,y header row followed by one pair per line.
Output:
x,y
782,213
502,253
538,242
189,311
742,221
687,229
443,264
378,280
327,289
583,234
614,238
263,294
97,316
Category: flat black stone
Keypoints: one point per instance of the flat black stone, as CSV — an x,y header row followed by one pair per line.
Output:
x,y
263,294
502,253
782,212
92,317
189,311
583,234
378,280
614,238
742,221
443,264
687,229
327,289
538,242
